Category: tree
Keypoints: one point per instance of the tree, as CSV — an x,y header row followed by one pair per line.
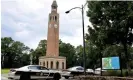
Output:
x,y
92,54
5,50
68,51
39,51
79,55
112,24
12,52
25,59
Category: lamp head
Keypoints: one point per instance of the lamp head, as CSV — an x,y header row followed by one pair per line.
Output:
x,y
67,12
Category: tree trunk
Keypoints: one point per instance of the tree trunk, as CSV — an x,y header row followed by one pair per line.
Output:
x,y
9,62
127,60
2,61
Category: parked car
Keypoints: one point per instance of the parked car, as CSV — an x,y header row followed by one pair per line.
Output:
x,y
98,71
36,72
79,70
90,71
76,70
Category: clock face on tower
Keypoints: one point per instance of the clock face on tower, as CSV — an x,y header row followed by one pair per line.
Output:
x,y
55,25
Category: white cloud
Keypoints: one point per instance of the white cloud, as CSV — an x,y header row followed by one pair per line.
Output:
x,y
75,40
22,34
27,20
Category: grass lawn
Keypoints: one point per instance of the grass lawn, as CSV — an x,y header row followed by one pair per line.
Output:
x,y
4,71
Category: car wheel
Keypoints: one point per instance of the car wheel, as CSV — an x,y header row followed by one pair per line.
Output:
x,y
66,77
25,75
56,76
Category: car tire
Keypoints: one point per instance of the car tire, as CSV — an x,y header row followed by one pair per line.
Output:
x,y
56,76
66,77
25,76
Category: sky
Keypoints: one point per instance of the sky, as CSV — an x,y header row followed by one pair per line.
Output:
x,y
27,21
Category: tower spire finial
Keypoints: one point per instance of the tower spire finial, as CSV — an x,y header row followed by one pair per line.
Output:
x,y
54,4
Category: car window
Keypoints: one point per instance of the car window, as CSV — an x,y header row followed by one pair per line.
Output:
x,y
79,68
43,68
37,68
34,67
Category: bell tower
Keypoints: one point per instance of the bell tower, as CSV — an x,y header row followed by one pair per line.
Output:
x,y
52,59
53,32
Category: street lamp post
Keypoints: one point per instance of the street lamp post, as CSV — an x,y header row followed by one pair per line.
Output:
x,y
84,53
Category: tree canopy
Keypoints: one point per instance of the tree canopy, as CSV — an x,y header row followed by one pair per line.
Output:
x,y
112,25
12,53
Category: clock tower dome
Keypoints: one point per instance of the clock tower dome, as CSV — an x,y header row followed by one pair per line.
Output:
x,y
52,59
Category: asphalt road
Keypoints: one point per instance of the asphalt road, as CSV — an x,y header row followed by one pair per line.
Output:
x,y
4,77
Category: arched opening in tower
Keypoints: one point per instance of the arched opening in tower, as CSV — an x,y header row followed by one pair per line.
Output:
x,y
57,65
62,65
51,64
47,64
43,63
